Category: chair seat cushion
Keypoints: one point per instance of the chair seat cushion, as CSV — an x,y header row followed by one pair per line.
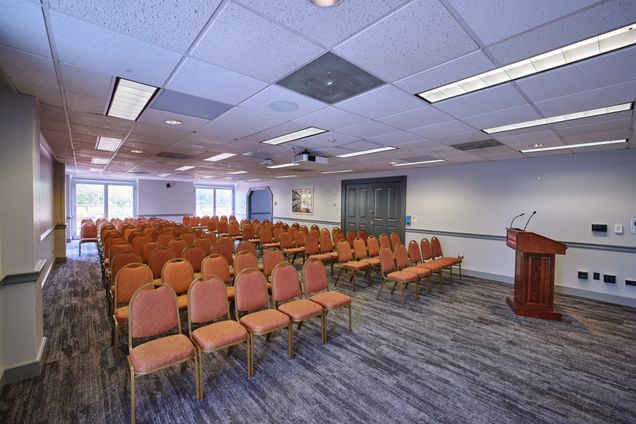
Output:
x,y
265,321
372,261
294,250
321,257
334,255
269,245
420,271
219,334
182,301
331,299
433,265
449,260
402,276
355,265
121,314
161,352
89,240
300,309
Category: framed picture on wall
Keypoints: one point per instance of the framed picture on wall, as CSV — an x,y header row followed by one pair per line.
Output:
x,y
303,200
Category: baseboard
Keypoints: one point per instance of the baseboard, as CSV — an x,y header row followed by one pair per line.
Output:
x,y
2,382
25,370
570,291
61,260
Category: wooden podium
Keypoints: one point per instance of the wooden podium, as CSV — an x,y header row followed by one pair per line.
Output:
x,y
534,274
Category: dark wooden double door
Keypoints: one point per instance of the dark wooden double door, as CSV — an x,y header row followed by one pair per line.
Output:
x,y
374,205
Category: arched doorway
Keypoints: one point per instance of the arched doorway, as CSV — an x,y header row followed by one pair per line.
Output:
x,y
260,203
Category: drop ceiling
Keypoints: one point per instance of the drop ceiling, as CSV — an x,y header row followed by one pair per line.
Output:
x,y
217,64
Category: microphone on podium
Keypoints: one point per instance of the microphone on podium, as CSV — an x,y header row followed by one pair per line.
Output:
x,y
528,221
518,216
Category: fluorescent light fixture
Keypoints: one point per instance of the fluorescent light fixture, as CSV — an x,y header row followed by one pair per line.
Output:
x,y
337,172
96,170
297,135
207,176
253,180
423,162
163,175
173,122
573,146
237,172
283,165
108,144
560,118
287,176
130,99
581,50
220,156
137,152
367,152
100,161
184,168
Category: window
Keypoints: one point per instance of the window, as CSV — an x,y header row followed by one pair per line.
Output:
x,y
214,201
96,199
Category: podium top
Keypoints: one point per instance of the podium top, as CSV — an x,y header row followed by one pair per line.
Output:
x,y
529,242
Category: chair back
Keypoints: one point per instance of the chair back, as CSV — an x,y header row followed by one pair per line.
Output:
x,y
425,247
344,251
164,239
334,231
152,311
207,301
266,235
205,244
178,274
299,238
222,249
234,229
250,291
436,247
157,259
326,245
271,258
395,240
216,265
147,248
414,252
189,238
138,243
360,249
311,245
286,240
373,246
88,230
226,241
222,227
285,283
315,276
363,235
122,259
177,246
401,256
243,260
248,231
118,247
194,255
129,279
384,241
387,264
246,246
351,236
339,237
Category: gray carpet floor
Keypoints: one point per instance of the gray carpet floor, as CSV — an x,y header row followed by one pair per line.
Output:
x,y
459,355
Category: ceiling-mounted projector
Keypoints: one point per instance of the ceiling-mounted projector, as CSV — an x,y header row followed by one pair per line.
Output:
x,y
308,157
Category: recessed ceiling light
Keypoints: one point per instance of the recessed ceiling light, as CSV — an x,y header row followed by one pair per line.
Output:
x,y
287,176
99,161
163,175
560,118
220,156
96,170
108,144
585,49
283,106
237,172
367,152
173,122
573,146
207,176
423,162
337,172
283,165
296,135
138,152
184,168
130,99
325,3
535,145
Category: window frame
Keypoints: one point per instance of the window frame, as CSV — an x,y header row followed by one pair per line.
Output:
x,y
215,188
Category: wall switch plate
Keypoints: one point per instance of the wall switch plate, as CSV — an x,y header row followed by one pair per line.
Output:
x,y
609,278
632,225
582,275
618,228
630,282
597,276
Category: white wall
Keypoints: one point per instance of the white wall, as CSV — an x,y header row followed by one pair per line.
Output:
x,y
154,198
569,192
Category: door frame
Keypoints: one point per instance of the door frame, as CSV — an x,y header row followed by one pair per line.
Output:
x,y
248,205
397,179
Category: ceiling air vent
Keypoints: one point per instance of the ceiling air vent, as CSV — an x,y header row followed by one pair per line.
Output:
x,y
474,145
138,172
330,79
172,155
185,104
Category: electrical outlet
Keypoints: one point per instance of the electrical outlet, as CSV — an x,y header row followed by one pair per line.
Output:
x,y
597,276
618,228
630,282
609,278
582,275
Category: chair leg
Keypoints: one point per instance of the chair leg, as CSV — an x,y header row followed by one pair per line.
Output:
x,y
323,327
417,289
353,279
337,277
250,355
116,339
200,371
350,329
369,275
377,297
402,292
290,341
132,395
198,390
80,249
430,283
460,271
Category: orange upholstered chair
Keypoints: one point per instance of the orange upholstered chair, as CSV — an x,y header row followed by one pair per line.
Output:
x,y
271,258
216,265
147,248
208,307
326,247
350,237
234,229
316,288
243,260
384,241
152,312
266,237
189,238
164,239
119,260
138,243
345,259
430,263
362,255
448,261
363,235
288,298
395,240
222,228
312,250
194,255
373,247
177,246
178,274
128,280
251,297
227,241
205,244
246,245
404,264
88,234
222,249
390,273
157,259
289,248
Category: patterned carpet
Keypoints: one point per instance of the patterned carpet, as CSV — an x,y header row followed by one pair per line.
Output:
x,y
458,356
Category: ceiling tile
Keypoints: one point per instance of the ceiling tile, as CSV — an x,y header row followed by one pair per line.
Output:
x,y
22,27
463,137
242,41
523,139
331,118
251,119
425,115
361,145
327,139
100,50
222,130
167,135
383,101
145,20
77,101
368,129
443,129
502,96
32,74
157,117
213,82
88,83
604,17
434,37
396,138
503,117
260,103
495,20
